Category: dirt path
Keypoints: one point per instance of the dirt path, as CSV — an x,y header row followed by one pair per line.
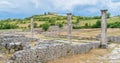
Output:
x,y
91,57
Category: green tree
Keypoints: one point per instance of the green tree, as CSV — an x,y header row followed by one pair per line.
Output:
x,y
86,25
97,24
52,21
45,13
45,26
78,20
35,25
60,25
108,15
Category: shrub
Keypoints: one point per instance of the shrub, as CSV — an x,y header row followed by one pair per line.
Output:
x,y
96,17
35,25
40,25
45,26
108,15
52,21
60,25
97,24
114,25
77,27
86,25
78,20
4,25
29,26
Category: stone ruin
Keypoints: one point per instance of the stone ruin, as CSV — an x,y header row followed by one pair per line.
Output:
x,y
15,38
44,50
50,50
14,41
109,38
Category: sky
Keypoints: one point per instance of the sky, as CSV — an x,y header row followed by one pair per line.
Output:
x,y
26,8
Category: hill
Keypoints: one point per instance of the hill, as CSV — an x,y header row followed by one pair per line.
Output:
x,y
40,20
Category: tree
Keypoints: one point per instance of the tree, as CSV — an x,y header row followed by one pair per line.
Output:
x,y
108,15
78,20
96,17
45,13
45,26
97,24
7,25
35,25
52,21
29,26
60,25
86,25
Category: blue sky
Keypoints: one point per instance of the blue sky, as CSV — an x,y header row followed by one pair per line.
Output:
x,y
26,8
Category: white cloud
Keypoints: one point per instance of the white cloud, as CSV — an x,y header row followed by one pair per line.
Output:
x,y
113,7
15,6
68,4
6,4
38,6
56,4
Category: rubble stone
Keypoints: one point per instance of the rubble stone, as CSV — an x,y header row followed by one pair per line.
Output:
x,y
46,51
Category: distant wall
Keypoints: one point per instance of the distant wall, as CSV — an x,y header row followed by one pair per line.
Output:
x,y
7,39
52,34
15,38
114,39
45,52
110,38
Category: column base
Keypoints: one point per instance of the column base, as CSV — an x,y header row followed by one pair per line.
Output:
x,y
104,46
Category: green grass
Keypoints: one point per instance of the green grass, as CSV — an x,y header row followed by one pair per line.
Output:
x,y
81,23
4,30
93,21
113,19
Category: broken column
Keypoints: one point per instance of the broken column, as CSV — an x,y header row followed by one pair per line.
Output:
x,y
104,29
69,15
32,26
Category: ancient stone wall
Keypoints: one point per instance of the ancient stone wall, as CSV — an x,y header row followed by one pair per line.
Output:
x,y
110,38
49,51
52,34
8,39
15,38
114,39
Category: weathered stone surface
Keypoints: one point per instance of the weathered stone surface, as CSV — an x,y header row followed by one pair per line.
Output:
x,y
110,38
9,39
49,51
104,28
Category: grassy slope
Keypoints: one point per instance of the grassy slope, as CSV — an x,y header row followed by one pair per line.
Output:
x,y
81,23
93,21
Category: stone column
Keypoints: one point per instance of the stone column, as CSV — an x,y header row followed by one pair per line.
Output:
x,y
69,15
104,29
32,26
